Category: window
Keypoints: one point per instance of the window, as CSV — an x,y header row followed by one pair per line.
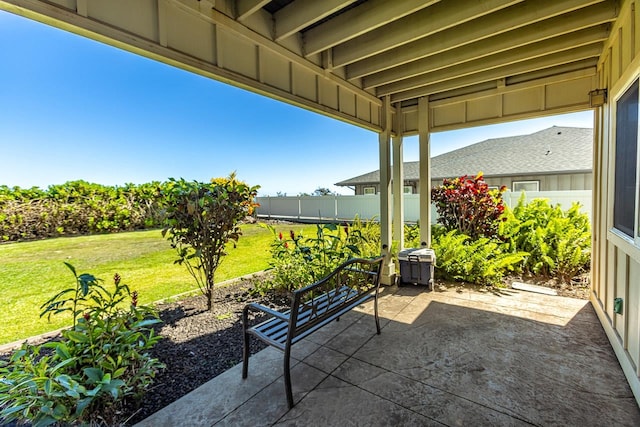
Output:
x,y
408,189
626,159
369,190
525,186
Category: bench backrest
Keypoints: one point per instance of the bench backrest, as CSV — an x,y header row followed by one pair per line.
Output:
x,y
343,287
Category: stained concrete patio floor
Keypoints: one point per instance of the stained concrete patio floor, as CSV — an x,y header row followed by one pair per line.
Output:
x,y
448,357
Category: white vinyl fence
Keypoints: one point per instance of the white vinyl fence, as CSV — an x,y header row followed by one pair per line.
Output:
x,y
345,208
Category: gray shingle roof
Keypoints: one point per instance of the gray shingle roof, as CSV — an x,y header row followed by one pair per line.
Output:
x,y
553,150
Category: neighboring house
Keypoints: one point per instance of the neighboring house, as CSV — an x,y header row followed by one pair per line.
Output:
x,y
558,158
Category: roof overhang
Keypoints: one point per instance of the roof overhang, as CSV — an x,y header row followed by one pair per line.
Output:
x,y
475,62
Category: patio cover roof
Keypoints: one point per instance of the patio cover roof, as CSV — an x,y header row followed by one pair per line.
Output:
x,y
475,62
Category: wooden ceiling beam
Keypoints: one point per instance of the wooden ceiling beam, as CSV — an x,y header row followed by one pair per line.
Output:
x,y
418,25
244,8
302,13
505,20
503,60
547,30
366,17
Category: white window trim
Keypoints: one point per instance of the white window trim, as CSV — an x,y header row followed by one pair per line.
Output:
x,y
369,193
620,236
630,245
513,185
636,213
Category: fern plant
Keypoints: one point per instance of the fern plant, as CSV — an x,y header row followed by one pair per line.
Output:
x,y
558,242
482,261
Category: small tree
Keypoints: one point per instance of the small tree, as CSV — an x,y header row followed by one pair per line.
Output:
x,y
321,191
468,205
201,219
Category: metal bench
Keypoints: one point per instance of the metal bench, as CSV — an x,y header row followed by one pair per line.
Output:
x,y
313,307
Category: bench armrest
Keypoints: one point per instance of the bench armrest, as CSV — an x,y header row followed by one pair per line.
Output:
x,y
258,307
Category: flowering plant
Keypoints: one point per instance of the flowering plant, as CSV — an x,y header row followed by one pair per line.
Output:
x,y
87,376
298,261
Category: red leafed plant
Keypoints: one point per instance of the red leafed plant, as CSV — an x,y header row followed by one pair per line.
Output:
x,y
469,205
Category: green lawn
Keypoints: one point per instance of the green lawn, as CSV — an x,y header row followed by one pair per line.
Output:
x,y
32,272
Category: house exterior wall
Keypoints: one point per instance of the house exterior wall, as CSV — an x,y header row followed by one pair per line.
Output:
x,y
555,182
615,255
363,189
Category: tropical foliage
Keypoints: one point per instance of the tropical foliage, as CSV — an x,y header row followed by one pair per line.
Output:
x,y
469,206
483,261
530,239
558,242
97,366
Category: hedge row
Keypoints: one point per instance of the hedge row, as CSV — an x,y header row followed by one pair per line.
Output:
x,y
78,207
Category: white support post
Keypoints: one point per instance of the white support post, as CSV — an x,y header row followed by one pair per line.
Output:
x,y
425,172
388,268
398,180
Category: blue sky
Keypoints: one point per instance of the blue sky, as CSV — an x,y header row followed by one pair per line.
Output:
x,y
72,108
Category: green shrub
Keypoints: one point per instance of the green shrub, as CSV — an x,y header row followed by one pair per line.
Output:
x,y
558,242
412,235
547,241
78,207
364,235
469,206
482,261
298,261
98,365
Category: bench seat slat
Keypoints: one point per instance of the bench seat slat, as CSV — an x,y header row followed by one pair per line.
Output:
x,y
303,315
275,330
321,304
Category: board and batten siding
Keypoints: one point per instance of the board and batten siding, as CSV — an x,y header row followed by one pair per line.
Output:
x,y
616,257
551,182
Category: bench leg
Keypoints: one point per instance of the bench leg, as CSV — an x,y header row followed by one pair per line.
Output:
x,y
375,311
245,356
287,376
245,345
